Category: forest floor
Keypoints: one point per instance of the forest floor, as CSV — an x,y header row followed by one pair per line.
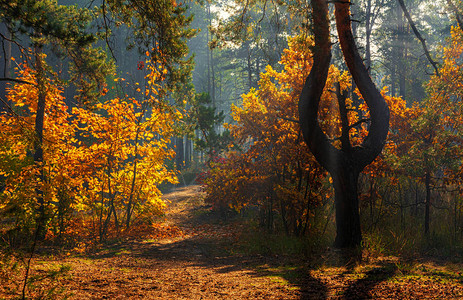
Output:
x,y
198,259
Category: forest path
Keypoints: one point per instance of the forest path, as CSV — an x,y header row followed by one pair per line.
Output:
x,y
195,255
191,265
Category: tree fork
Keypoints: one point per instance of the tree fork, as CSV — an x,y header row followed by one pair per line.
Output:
x,y
343,164
379,111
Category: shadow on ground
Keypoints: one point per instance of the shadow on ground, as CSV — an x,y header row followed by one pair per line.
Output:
x,y
209,249
208,253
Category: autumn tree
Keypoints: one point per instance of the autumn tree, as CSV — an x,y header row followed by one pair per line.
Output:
x,y
424,141
106,163
344,163
268,165
436,150
65,29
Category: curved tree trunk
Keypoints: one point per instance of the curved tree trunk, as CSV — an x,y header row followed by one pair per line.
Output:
x,y
343,164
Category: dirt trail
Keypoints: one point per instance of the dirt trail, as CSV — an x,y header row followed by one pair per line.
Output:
x,y
196,259
190,266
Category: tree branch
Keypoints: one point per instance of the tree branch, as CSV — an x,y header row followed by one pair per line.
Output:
x,y
358,123
106,29
289,119
16,80
341,97
263,12
317,141
7,105
418,36
379,112
376,13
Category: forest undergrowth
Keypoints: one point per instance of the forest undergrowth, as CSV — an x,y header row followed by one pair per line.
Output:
x,y
193,252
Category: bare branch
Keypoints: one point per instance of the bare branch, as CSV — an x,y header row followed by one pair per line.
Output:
x,y
263,12
418,36
16,80
245,10
106,29
289,119
10,40
7,105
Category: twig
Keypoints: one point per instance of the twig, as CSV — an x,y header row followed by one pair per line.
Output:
x,y
263,12
11,40
289,119
9,107
359,122
106,31
245,10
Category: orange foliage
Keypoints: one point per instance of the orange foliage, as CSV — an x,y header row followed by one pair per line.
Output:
x,y
106,162
275,166
275,170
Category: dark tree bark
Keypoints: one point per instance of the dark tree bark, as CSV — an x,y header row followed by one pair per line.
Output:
x,y
38,143
5,61
187,152
180,153
343,164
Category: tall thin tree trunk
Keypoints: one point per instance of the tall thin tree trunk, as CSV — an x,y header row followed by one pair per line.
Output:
x,y
427,182
180,153
211,73
134,176
5,60
208,50
213,96
112,208
187,152
38,143
257,70
401,51
249,67
368,28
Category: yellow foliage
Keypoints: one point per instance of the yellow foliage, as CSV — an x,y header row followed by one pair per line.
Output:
x,y
111,157
274,169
